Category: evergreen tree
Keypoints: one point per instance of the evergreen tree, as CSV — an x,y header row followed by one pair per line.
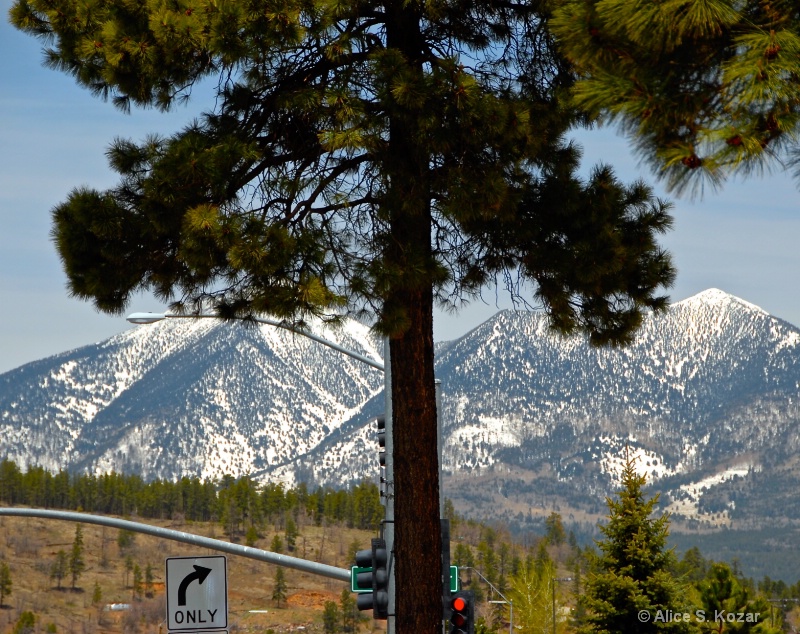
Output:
x,y
138,586
631,575
76,563
361,158
26,624
504,561
59,568
723,598
554,529
350,613
577,618
125,539
279,589
148,581
462,556
10,482
251,536
5,582
330,618
704,88
97,593
693,566
487,560
291,534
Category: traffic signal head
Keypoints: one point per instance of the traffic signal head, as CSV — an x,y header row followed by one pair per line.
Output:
x,y
462,613
381,423
377,560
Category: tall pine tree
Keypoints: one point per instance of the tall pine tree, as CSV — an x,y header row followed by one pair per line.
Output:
x,y
360,158
704,88
630,589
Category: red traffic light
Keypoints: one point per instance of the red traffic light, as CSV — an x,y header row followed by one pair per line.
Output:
x,y
461,613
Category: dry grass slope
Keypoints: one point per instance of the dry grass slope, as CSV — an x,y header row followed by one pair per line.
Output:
x,y
29,546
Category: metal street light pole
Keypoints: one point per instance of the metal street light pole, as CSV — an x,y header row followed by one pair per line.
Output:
x,y
388,526
553,581
500,594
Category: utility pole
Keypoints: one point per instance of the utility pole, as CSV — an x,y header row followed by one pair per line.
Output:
x,y
553,582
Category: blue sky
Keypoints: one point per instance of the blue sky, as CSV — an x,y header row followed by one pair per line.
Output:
x,y
744,239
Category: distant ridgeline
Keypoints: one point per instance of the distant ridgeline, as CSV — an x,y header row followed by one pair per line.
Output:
x,y
234,502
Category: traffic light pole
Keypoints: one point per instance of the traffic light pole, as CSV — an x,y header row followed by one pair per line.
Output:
x,y
303,565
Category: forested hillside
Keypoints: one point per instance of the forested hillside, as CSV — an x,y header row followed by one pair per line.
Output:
x,y
59,577
237,502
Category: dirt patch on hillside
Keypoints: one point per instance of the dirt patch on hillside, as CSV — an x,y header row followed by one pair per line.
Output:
x,y
311,599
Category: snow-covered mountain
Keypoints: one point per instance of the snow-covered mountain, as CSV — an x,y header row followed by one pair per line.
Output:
x,y
706,399
184,396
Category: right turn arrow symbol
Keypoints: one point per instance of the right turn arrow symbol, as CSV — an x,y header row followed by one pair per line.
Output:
x,y
200,573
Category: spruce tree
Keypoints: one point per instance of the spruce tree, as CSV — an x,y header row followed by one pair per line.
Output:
x,y
704,89
630,589
369,159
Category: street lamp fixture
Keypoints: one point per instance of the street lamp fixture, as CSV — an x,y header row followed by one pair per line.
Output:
x,y
145,318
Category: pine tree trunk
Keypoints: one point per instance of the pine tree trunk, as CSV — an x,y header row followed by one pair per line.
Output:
x,y
417,540
417,544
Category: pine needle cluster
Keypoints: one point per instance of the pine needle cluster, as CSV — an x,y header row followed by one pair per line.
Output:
x,y
704,87
327,129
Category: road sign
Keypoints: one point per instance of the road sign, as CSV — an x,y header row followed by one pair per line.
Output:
x,y
197,593
354,586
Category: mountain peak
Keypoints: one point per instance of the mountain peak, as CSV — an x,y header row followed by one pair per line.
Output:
x,y
714,297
